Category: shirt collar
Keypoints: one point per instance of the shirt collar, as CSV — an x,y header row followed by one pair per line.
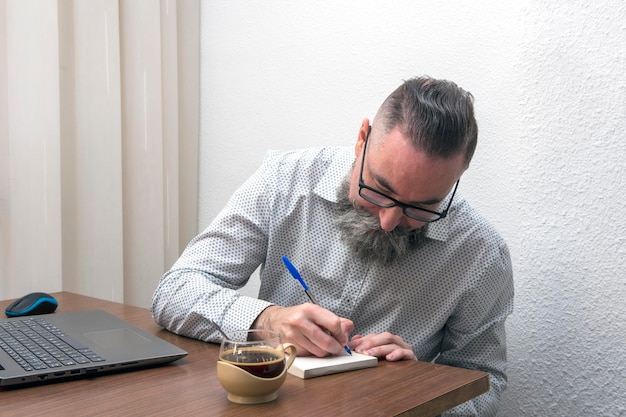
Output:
x,y
339,167
438,230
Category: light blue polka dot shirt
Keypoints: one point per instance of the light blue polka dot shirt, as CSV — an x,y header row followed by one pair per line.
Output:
x,y
449,299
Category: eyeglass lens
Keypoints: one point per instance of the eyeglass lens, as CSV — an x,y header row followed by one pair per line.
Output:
x,y
382,200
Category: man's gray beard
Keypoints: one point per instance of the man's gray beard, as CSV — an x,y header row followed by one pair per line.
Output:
x,y
361,231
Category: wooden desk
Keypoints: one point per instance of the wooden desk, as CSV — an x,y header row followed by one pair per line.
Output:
x,y
189,386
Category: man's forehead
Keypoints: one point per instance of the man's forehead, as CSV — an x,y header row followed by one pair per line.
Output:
x,y
410,173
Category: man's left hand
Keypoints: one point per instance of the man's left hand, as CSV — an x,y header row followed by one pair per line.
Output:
x,y
383,345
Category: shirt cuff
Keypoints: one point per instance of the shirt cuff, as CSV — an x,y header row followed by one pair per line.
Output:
x,y
242,313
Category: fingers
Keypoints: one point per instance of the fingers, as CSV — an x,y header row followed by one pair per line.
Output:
x,y
383,345
346,327
325,330
317,331
313,329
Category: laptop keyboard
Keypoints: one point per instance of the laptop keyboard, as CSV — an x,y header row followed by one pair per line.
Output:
x,y
36,344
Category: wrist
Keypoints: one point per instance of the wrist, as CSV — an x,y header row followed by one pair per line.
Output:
x,y
264,319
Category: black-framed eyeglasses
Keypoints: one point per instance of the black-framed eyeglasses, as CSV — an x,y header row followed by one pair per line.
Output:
x,y
382,200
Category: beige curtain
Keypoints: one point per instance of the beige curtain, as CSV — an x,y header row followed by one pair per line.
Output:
x,y
99,114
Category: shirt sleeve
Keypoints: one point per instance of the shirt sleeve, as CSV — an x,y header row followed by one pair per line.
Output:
x,y
475,335
199,292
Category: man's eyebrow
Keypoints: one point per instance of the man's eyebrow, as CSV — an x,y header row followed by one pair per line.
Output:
x,y
385,184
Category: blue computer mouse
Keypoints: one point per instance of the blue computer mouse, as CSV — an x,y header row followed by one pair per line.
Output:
x,y
31,304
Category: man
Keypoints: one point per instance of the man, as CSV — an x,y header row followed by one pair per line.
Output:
x,y
401,266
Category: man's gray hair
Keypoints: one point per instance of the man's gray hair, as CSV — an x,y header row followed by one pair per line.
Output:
x,y
437,116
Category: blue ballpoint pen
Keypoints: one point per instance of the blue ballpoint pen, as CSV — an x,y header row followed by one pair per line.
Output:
x,y
294,273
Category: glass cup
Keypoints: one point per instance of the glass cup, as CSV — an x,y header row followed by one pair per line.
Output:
x,y
252,365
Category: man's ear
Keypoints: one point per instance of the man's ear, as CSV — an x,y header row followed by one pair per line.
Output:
x,y
361,137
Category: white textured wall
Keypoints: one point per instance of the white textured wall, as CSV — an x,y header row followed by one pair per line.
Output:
x,y
551,102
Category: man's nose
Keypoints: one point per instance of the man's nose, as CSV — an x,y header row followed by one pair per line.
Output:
x,y
390,217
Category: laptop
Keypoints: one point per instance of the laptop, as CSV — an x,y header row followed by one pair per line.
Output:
x,y
47,347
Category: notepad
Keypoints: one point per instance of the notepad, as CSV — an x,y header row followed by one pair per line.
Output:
x,y
310,366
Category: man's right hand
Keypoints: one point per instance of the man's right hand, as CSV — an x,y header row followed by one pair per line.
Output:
x,y
311,328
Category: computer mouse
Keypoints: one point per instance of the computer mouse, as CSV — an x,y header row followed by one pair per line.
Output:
x,y
31,304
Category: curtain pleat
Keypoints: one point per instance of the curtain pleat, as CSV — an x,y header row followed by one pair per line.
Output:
x,y
99,104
